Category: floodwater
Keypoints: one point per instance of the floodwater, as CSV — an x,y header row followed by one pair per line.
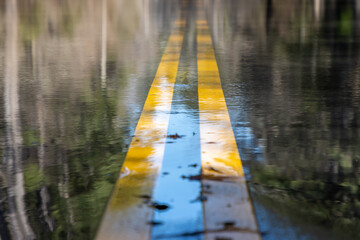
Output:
x,y
74,76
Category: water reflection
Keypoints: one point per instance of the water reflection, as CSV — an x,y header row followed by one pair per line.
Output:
x,y
13,176
291,77
73,78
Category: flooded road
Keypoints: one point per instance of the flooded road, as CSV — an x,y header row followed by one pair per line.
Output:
x,y
74,78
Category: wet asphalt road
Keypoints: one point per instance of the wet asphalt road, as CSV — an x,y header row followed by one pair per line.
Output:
x,y
74,77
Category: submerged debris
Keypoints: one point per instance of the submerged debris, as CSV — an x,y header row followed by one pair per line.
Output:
x,y
193,165
228,224
174,136
155,223
158,206
192,177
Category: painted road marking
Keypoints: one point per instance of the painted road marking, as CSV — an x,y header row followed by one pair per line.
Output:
x,y
221,206
127,216
228,211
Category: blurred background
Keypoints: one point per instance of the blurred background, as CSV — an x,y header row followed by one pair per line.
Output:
x,y
74,76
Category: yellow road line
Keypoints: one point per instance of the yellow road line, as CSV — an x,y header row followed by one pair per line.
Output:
x,y
228,211
126,215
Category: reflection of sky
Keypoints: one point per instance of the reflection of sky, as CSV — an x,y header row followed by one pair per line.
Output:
x,y
185,213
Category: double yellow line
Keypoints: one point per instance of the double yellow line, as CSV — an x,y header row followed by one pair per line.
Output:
x,y
126,216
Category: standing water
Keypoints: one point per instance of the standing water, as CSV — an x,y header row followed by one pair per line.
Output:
x,y
75,74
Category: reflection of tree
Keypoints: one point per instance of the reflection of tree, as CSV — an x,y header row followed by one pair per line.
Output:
x,y
297,81
17,219
67,150
44,192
